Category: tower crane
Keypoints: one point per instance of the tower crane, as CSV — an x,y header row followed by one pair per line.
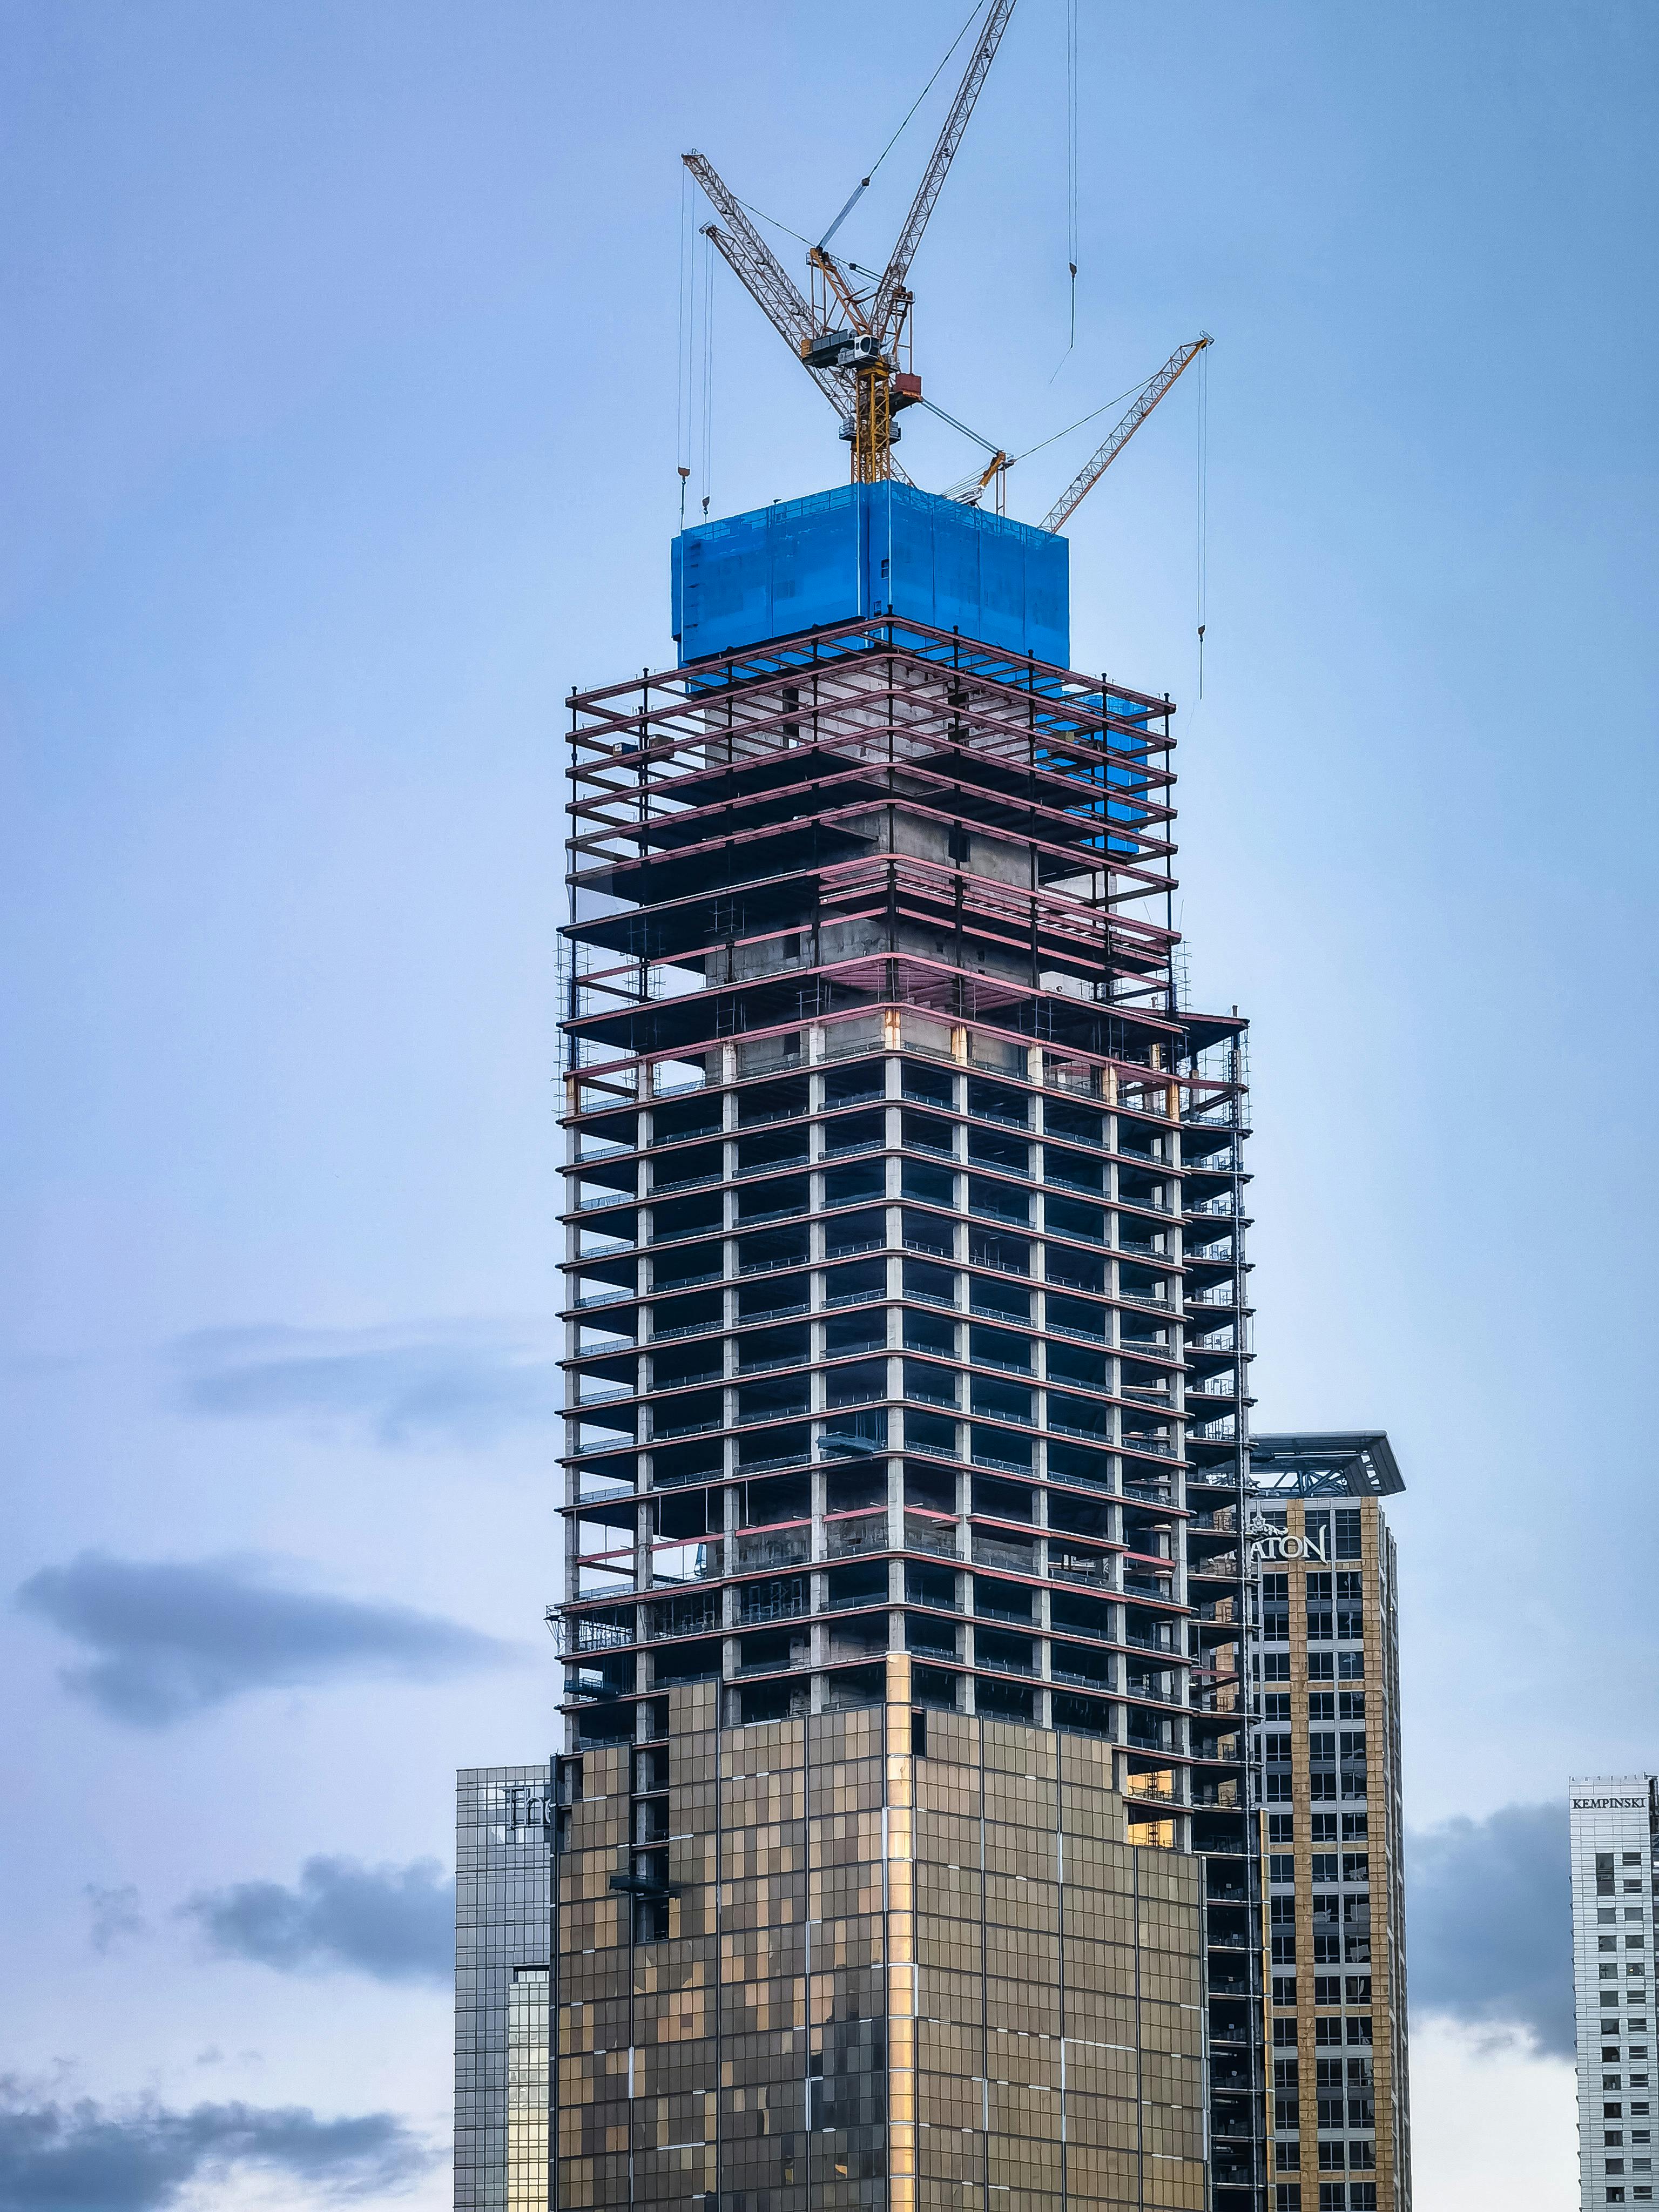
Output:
x,y
853,340
852,334
1140,408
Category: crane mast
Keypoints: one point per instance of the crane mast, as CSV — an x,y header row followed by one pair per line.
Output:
x,y
1140,408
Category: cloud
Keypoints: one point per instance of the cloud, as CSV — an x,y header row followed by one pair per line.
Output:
x,y
138,2158
1489,1922
115,1917
446,1385
175,1638
396,1923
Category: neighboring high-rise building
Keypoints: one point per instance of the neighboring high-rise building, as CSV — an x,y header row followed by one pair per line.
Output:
x,y
504,1931
1325,1705
1615,1877
904,1849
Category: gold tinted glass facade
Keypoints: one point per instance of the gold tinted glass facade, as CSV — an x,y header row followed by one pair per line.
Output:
x,y
911,1961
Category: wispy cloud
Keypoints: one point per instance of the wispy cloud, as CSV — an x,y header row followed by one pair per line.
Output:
x,y
172,1639
1489,1921
142,2157
443,1385
116,1915
395,1923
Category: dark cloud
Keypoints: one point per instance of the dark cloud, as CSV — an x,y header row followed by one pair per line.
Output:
x,y
85,2157
447,1385
396,1923
116,1917
172,1638
1489,1922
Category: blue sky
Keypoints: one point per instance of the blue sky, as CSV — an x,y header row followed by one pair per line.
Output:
x,y
340,389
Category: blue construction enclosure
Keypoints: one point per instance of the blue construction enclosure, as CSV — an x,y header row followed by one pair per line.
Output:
x,y
871,550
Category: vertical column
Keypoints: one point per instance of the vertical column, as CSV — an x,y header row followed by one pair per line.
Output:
x,y
900,1964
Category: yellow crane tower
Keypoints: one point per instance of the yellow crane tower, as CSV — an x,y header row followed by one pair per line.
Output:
x,y
853,337
851,334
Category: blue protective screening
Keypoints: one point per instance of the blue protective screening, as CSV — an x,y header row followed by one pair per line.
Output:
x,y
871,550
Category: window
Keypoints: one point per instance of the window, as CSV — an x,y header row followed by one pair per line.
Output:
x,y
1354,1828
1321,1704
1285,2034
1322,1666
1281,1828
1287,2157
1351,1705
1322,1866
1276,1705
1332,2196
1281,1867
1356,1866
1347,1544
1275,1666
1351,1666
1331,2160
1287,2197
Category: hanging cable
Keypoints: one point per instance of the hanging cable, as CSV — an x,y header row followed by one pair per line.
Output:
x,y
683,347
708,373
1203,504
1070,155
1071,179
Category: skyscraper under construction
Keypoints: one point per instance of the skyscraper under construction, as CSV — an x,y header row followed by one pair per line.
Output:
x,y
907,1847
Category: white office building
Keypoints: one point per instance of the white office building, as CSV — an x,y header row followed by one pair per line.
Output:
x,y
1615,1823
